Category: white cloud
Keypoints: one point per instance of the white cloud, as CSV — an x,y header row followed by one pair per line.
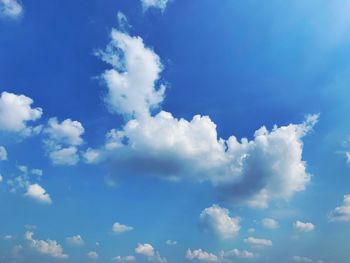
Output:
x,y
67,132
161,4
63,140
302,259
270,223
201,255
3,153
48,247
36,192
93,255
303,227
341,213
124,259
120,228
239,254
37,172
171,242
148,251
65,156
16,112
10,8
76,240
131,83
254,172
258,241
218,220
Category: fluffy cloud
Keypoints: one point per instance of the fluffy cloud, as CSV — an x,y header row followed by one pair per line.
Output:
x,y
303,227
124,259
16,112
93,255
201,255
270,223
218,220
239,254
36,192
49,247
341,213
76,240
63,139
253,172
258,241
161,4
120,228
10,8
131,82
3,153
148,251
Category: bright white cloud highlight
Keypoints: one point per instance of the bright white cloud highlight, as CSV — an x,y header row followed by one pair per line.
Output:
x,y
303,227
161,4
16,112
131,82
201,255
37,193
76,240
120,228
218,221
48,247
10,8
148,251
258,242
341,213
270,223
124,259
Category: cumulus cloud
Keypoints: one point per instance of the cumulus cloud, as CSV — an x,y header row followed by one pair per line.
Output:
x,y
161,4
270,223
48,247
303,227
10,8
239,254
131,82
341,213
148,251
218,220
259,242
253,172
37,193
16,112
62,141
201,255
76,240
120,228
3,153
93,255
124,259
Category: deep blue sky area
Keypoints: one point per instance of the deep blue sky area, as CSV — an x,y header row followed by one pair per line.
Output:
x,y
170,190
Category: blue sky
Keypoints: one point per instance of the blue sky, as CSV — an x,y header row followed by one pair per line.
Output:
x,y
174,131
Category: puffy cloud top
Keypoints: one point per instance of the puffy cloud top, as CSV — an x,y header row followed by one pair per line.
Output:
x,y
201,255
36,192
341,213
218,220
10,8
304,227
161,4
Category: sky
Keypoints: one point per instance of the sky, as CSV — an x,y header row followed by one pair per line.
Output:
x,y
174,131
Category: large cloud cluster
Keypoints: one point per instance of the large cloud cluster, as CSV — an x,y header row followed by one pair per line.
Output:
x,y
268,167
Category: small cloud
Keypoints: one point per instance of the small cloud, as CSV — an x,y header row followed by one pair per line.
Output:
x,y
92,255
171,242
120,228
10,8
3,153
36,192
201,255
303,227
270,223
259,242
76,240
341,213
